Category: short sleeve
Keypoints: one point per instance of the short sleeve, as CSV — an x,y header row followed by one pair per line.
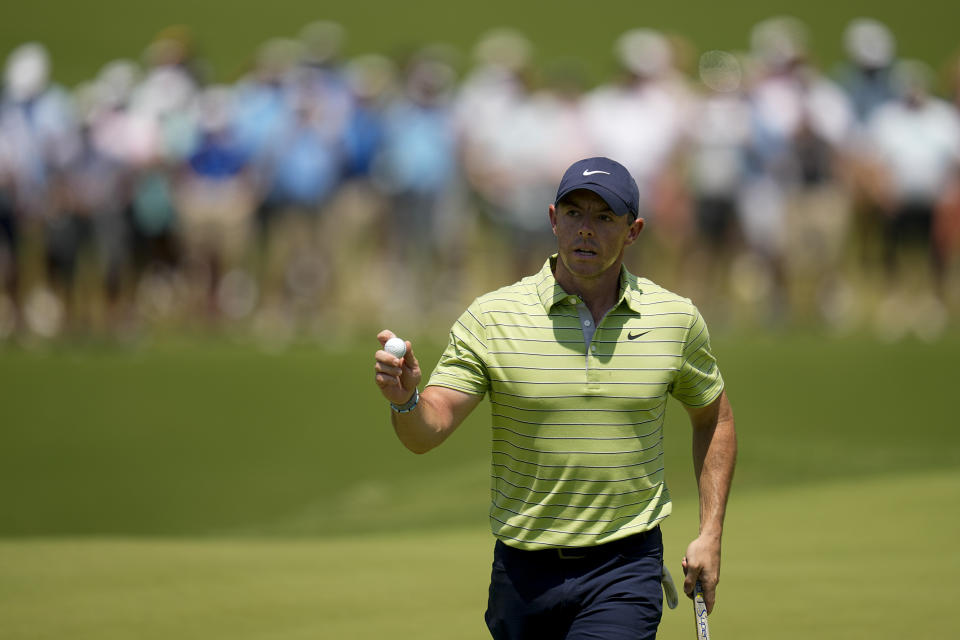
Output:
x,y
698,382
463,363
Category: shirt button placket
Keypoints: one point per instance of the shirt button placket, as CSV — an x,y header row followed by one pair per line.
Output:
x,y
591,379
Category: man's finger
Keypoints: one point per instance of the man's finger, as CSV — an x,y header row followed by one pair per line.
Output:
x,y
693,574
388,367
409,359
709,596
387,358
385,335
384,381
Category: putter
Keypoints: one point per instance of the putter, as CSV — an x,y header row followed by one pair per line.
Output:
x,y
700,613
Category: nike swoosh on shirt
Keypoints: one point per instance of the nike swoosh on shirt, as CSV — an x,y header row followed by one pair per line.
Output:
x,y
634,336
590,173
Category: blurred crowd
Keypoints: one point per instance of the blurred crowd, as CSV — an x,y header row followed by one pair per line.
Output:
x,y
319,192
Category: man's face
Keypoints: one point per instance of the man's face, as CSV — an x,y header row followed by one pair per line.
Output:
x,y
590,237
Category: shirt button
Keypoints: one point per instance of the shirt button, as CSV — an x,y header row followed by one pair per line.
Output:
x,y
572,300
593,348
586,323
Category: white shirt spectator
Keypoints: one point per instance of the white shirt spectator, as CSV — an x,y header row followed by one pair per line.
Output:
x,y
784,103
719,133
919,145
640,125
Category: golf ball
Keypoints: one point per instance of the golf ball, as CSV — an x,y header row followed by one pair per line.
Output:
x,y
396,347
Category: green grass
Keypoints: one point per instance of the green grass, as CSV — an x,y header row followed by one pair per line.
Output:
x,y
210,490
84,36
208,439
849,559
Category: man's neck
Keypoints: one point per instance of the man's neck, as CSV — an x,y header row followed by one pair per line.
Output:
x,y
598,293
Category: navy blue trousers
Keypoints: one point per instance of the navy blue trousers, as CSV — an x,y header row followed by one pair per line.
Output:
x,y
608,592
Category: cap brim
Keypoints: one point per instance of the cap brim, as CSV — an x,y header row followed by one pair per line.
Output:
x,y
616,204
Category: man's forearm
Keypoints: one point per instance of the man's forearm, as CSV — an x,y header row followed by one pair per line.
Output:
x,y
422,429
714,459
439,412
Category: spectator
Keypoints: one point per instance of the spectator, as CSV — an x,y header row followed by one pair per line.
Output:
x,y
509,165
303,170
417,169
373,80
160,113
492,95
794,212
916,143
641,119
866,76
215,198
40,130
94,201
718,142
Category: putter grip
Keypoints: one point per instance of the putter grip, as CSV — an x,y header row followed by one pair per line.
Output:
x,y
700,613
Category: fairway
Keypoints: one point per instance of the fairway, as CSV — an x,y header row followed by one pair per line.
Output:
x,y
850,559
207,489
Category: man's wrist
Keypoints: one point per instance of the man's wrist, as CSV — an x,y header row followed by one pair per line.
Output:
x,y
712,533
409,405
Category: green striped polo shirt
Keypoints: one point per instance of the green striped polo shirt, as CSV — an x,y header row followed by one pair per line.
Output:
x,y
577,410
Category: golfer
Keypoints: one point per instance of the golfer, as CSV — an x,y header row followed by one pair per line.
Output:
x,y
578,361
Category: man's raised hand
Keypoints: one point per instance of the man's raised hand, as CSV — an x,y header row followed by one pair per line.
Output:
x,y
396,377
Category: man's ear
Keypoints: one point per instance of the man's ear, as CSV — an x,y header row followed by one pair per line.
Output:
x,y
635,228
552,213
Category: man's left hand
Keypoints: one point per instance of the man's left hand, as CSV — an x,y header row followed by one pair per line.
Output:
x,y
702,563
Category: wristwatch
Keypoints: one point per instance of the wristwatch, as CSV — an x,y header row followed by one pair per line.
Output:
x,y
409,405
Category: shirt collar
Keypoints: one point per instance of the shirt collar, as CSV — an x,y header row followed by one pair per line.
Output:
x,y
551,292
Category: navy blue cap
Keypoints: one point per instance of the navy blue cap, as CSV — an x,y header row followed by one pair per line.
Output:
x,y
605,177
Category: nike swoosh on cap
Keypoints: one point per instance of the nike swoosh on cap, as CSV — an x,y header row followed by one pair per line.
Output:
x,y
590,173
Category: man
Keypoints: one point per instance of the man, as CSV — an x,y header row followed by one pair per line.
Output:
x,y
915,142
578,360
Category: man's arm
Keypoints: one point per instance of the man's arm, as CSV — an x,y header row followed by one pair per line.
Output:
x,y
714,458
438,413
